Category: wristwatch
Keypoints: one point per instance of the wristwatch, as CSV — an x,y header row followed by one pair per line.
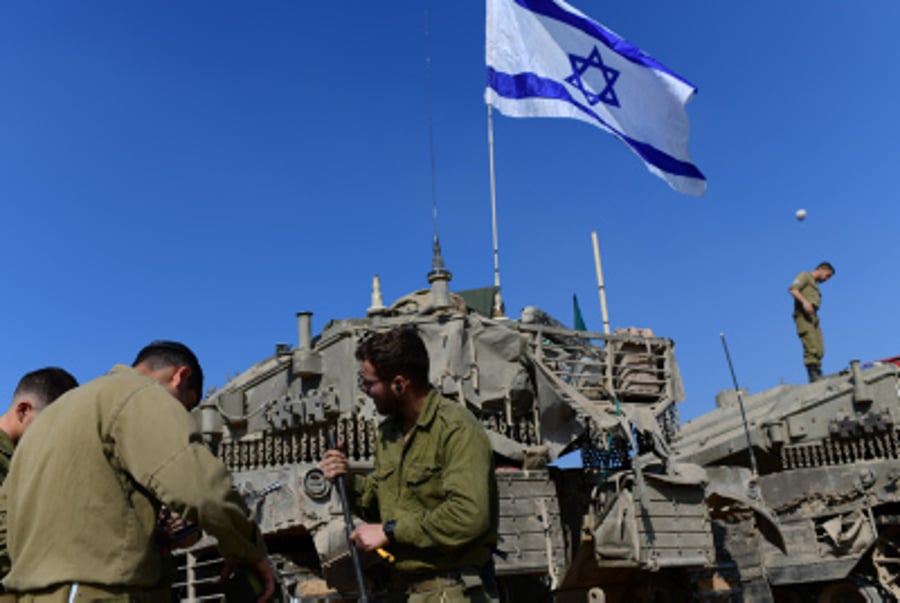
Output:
x,y
389,528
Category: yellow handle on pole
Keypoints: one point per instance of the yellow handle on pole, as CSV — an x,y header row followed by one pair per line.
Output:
x,y
385,555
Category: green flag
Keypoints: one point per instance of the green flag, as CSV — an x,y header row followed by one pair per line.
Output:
x,y
579,319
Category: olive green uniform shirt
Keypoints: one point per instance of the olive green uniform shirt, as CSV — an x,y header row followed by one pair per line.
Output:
x,y
808,329
7,447
439,486
806,283
87,479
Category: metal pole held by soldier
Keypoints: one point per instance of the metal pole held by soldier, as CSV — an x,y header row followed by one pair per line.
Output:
x,y
348,526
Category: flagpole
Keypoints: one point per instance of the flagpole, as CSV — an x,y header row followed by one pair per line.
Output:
x,y
498,298
600,288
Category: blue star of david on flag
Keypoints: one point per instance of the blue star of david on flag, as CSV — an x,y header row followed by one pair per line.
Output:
x,y
581,65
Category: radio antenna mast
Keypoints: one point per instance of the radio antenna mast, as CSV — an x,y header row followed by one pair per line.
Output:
x,y
740,399
430,131
439,277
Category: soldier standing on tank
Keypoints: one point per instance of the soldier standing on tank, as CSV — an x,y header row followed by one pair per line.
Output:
x,y
807,299
432,498
85,487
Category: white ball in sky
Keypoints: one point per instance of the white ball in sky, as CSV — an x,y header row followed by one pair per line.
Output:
x,y
801,214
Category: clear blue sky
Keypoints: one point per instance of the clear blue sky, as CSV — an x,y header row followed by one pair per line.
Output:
x,y
202,170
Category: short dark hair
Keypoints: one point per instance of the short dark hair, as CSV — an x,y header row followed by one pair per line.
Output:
x,y
163,353
826,265
399,351
46,384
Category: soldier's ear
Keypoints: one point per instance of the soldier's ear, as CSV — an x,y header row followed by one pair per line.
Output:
x,y
180,387
23,407
179,376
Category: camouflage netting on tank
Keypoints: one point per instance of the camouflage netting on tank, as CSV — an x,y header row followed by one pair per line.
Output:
x,y
478,360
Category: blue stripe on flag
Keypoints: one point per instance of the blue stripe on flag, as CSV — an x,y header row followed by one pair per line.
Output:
x,y
529,85
623,47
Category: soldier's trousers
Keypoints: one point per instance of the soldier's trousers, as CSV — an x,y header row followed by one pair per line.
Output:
x,y
467,586
445,594
85,593
811,337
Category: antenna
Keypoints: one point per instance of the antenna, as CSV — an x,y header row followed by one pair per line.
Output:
x,y
498,298
430,129
438,277
601,289
741,404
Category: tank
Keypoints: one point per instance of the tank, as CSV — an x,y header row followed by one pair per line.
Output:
x,y
828,465
594,507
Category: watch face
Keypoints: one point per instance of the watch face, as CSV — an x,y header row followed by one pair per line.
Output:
x,y
389,530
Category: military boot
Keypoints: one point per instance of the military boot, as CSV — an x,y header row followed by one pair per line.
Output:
x,y
814,371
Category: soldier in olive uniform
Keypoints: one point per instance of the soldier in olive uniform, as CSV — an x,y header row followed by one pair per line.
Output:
x,y
86,486
807,299
34,392
433,495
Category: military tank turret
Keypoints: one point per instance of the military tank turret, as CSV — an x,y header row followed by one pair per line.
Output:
x,y
828,457
592,504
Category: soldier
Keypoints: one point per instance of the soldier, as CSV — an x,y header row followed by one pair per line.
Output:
x,y
84,490
34,392
433,495
807,299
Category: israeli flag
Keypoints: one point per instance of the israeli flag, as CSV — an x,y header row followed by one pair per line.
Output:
x,y
546,59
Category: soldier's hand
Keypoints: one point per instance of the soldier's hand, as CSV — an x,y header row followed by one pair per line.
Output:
x,y
334,463
264,572
169,526
808,308
369,536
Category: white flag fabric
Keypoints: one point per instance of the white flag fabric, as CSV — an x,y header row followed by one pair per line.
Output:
x,y
546,59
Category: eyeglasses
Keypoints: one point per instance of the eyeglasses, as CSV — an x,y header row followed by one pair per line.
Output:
x,y
365,384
